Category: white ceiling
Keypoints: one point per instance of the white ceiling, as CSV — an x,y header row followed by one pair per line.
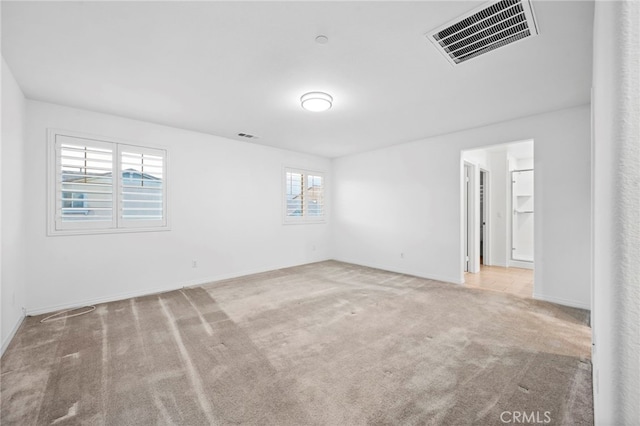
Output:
x,y
229,67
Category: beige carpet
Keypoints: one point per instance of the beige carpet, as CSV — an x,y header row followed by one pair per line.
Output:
x,y
321,344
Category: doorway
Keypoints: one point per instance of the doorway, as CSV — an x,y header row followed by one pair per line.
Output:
x,y
494,215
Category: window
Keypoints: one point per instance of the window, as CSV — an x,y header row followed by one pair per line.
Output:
x,y
74,203
98,185
304,196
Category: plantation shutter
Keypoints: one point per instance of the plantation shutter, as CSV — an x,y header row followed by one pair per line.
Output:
x,y
84,183
315,196
294,194
99,185
304,200
142,189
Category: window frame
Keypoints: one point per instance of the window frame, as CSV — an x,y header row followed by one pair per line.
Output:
x,y
117,224
304,219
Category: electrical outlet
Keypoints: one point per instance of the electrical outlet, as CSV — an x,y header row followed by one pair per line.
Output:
x,y
313,248
401,255
194,263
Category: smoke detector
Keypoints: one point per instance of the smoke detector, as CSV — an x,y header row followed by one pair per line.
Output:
x,y
485,29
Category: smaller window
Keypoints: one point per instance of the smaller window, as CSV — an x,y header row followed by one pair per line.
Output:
x,y
304,196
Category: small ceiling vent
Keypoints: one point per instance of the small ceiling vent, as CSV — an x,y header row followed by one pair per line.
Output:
x,y
247,135
485,29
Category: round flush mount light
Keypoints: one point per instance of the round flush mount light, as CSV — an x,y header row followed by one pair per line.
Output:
x,y
316,101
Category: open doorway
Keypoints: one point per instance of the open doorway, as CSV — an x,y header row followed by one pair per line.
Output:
x,y
476,220
498,213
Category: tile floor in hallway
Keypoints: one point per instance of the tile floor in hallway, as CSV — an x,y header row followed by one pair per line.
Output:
x,y
517,281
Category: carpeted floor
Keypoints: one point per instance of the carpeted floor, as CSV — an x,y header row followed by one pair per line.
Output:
x,y
321,344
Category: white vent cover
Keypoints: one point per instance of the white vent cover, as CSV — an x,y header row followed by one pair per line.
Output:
x,y
247,135
485,29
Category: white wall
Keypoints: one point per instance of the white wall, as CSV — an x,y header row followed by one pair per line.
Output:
x,y
12,289
616,213
524,163
225,212
407,199
500,214
476,156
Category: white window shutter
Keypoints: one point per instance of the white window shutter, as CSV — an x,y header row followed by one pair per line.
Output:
x,y
294,194
84,195
97,185
142,190
304,199
315,196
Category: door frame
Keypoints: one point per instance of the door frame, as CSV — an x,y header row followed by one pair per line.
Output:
x,y
470,217
486,215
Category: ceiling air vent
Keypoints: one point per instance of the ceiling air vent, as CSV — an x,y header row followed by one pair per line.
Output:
x,y
485,29
247,135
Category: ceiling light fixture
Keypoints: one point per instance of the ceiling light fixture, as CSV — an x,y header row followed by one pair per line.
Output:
x,y
316,101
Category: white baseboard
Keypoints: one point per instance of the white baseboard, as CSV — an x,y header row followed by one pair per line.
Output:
x,y
221,277
561,301
97,300
156,290
452,280
520,264
12,333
